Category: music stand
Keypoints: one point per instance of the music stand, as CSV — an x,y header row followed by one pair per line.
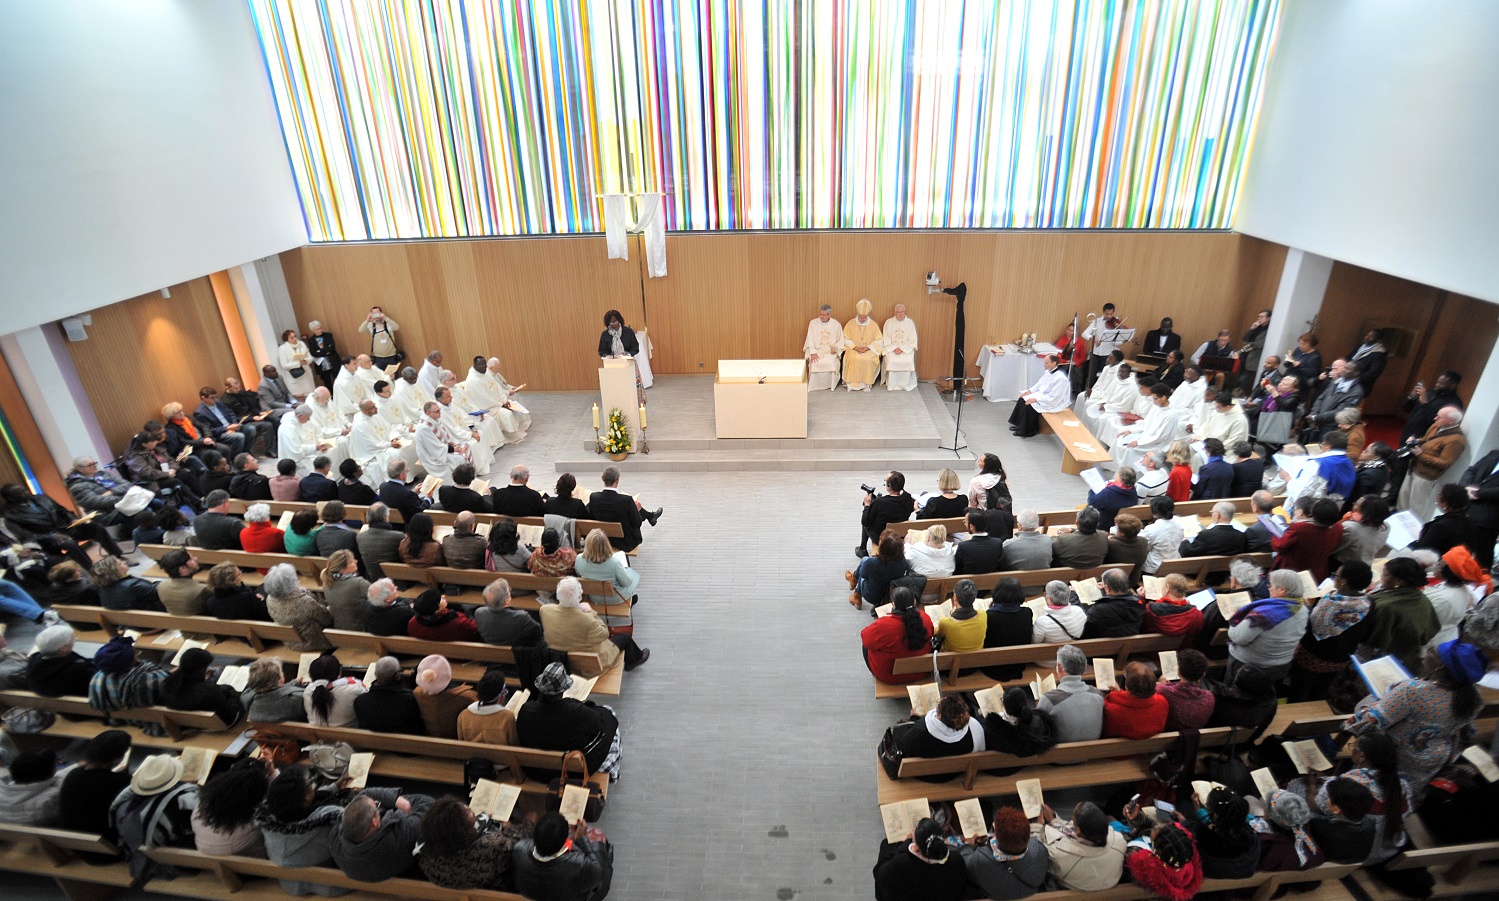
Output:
x,y
960,388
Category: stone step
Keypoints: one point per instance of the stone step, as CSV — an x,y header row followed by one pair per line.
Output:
x,y
742,444
834,459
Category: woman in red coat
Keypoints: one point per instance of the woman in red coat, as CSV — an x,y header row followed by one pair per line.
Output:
x,y
1309,541
1136,712
1179,482
260,536
1172,615
903,632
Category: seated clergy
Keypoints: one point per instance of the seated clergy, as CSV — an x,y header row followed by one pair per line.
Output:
x,y
861,349
1051,394
370,445
437,447
822,349
480,448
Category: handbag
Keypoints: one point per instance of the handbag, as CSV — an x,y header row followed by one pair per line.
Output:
x,y
889,750
276,748
297,372
330,759
595,807
27,720
134,501
1229,770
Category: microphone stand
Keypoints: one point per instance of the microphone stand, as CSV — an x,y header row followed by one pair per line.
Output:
x,y
959,388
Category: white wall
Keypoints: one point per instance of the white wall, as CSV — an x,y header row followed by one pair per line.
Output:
x,y
138,148
1378,143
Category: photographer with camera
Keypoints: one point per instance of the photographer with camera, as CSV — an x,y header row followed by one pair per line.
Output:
x,y
382,331
895,505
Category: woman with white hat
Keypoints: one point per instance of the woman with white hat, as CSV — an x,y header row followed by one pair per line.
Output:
x,y
156,811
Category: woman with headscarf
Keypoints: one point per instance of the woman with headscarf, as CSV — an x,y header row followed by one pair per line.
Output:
x,y
1462,582
1285,843
903,632
618,341
1337,625
1163,856
922,869
1431,718
124,682
189,688
1264,634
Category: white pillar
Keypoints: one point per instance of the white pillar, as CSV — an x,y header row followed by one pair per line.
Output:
x,y
44,372
264,306
1303,282
1481,419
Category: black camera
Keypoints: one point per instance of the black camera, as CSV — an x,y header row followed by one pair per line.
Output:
x,y
867,489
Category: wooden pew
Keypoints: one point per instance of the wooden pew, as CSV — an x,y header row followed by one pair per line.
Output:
x,y
230,637
430,759
376,646
954,525
309,569
57,845
437,576
1029,579
1197,569
1075,459
951,662
253,876
177,723
1460,870
357,514
354,513
1142,511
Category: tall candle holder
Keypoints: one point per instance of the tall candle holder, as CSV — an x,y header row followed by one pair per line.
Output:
x,y
598,442
645,446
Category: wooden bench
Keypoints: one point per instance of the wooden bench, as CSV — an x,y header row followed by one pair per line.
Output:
x,y
176,723
355,513
438,576
952,662
417,757
953,525
309,569
583,663
1197,569
1459,870
1142,511
242,876
1031,580
1075,459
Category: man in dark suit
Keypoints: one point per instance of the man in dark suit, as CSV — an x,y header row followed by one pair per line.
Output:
x,y
379,544
318,485
880,510
247,483
215,529
398,496
1340,390
1219,539
1482,481
517,498
273,391
1257,537
458,497
610,505
1163,340
1249,471
247,403
981,552
219,423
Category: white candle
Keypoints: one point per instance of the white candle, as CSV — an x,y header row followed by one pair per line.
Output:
x,y
642,416
595,417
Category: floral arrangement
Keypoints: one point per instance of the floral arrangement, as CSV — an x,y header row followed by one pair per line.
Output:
x,y
616,435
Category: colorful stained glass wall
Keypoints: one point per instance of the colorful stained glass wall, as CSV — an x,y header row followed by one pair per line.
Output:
x,y
448,118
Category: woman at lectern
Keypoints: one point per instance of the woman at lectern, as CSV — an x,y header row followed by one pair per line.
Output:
x,y
618,340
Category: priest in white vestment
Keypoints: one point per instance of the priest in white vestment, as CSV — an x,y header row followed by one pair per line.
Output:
x,y
349,390
480,450
861,349
366,369
1186,398
514,418
900,351
1153,433
431,375
1226,422
325,415
411,397
1051,394
824,343
437,447
297,439
471,415
370,443
1114,383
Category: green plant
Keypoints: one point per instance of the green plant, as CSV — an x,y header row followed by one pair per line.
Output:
x,y
617,434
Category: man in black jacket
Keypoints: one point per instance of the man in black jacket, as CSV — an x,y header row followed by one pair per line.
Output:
x,y
398,496
378,544
34,515
1257,537
335,535
1371,357
1482,481
215,529
981,553
247,403
1163,340
247,484
318,485
458,497
609,505
1249,471
518,498
895,505
1218,539
1118,613
389,706
388,613
219,423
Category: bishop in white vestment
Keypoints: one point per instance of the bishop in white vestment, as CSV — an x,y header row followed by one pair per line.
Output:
x,y
324,415
823,344
514,418
480,450
437,447
297,439
900,351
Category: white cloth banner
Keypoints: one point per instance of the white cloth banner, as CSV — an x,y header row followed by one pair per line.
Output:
x,y
618,225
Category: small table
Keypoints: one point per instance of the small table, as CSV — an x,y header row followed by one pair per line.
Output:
x,y
760,399
1008,374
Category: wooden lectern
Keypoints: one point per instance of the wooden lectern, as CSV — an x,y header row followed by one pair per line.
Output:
x,y
617,389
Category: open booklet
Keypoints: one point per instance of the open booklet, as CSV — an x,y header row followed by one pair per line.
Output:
x,y
1306,756
1088,590
197,763
1169,668
1030,797
1094,479
924,697
1405,528
971,817
1381,674
359,769
900,818
495,800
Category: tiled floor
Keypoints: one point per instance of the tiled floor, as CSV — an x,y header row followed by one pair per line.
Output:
x,y
749,736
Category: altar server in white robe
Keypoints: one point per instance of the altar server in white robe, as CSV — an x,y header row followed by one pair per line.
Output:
x,y
1126,406
410,396
1225,421
1050,394
297,439
437,447
389,411
900,351
1186,398
367,370
824,341
514,418
481,448
325,415
370,443
430,376
349,390
1116,381
1155,432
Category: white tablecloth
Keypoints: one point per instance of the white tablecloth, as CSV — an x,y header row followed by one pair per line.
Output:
x,y
1008,374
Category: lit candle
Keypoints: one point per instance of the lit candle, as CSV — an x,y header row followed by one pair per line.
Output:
x,y
595,417
642,416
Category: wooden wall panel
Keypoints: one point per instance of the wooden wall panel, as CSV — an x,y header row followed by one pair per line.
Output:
x,y
537,304
144,352
29,442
